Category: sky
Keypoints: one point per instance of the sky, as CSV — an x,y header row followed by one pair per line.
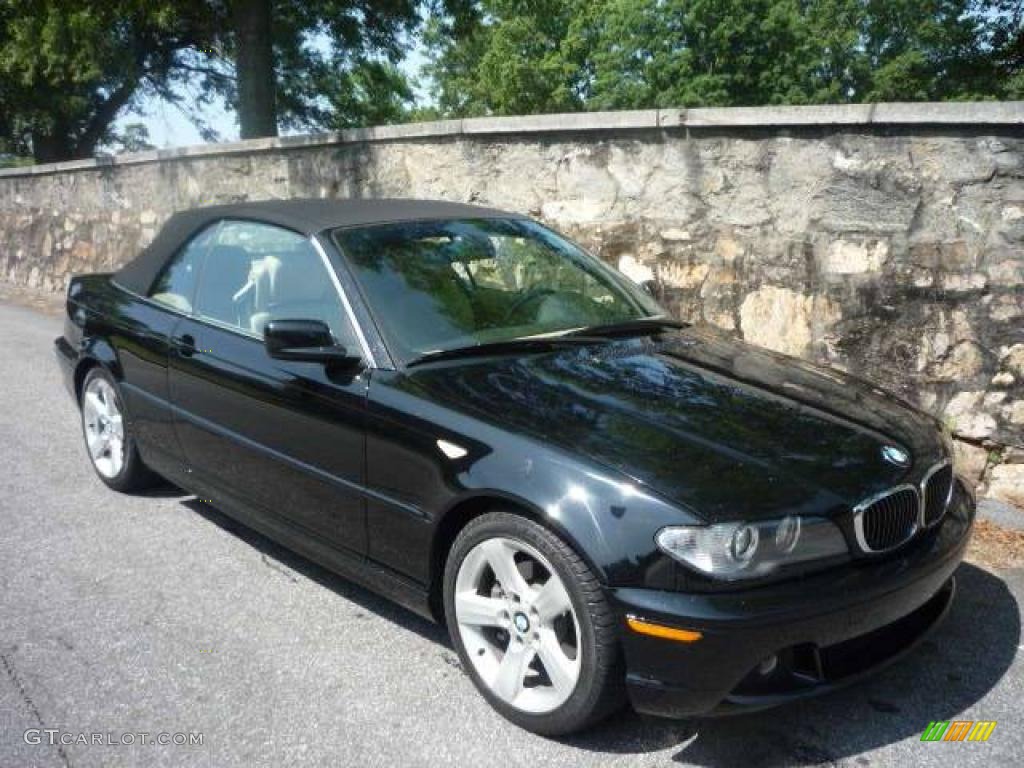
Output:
x,y
169,127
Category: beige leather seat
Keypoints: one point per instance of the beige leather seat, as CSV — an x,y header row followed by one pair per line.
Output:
x,y
295,286
174,300
225,274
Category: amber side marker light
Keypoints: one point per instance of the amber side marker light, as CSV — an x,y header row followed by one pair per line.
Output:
x,y
666,633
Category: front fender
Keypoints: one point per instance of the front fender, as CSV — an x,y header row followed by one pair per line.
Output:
x,y
455,465
609,519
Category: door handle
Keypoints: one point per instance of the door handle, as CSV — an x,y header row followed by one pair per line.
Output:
x,y
186,345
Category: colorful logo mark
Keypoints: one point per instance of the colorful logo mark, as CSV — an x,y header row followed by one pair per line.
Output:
x,y
958,730
895,455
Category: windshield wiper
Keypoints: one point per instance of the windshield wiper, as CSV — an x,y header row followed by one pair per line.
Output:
x,y
641,325
508,346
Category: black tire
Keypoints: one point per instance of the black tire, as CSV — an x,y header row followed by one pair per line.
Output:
x,y
134,475
600,689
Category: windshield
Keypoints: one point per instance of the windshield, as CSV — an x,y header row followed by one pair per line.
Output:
x,y
442,285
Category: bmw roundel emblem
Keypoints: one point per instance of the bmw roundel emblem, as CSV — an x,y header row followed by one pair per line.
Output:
x,y
895,455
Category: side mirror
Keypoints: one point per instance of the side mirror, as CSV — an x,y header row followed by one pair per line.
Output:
x,y
304,340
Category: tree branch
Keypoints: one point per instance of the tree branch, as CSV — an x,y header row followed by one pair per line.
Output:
x,y
98,124
208,71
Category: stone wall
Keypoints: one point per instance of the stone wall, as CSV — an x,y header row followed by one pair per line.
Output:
x,y
885,239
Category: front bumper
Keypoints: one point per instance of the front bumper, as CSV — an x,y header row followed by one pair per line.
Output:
x,y
823,631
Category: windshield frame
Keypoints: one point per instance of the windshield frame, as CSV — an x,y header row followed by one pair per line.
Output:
x,y
636,294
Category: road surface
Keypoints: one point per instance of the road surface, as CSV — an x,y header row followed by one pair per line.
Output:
x,y
128,615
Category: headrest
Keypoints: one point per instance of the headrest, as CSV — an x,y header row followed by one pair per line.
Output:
x,y
298,276
228,262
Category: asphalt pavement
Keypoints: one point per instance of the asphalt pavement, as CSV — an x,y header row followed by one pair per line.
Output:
x,y
128,615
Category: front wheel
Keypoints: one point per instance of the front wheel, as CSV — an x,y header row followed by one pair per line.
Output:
x,y
531,625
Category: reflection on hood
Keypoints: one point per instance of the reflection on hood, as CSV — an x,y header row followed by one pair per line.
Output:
x,y
728,429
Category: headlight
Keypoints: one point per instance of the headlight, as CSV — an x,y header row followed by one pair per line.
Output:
x,y
748,550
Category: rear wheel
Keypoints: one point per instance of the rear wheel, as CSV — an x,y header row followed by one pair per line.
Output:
x,y
531,625
108,437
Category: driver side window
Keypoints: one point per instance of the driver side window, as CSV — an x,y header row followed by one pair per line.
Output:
x,y
256,272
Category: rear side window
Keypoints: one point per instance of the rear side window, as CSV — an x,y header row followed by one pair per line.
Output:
x,y
175,286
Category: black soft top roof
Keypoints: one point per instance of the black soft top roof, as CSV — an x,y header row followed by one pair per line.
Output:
x,y
308,216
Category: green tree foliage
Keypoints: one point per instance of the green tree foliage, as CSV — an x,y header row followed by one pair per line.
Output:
x,y
544,56
67,69
368,93
70,68
507,57
133,137
333,62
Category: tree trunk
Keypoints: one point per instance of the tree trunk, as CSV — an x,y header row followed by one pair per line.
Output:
x,y
52,147
61,142
254,66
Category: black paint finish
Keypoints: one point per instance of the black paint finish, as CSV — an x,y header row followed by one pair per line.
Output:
x,y
605,443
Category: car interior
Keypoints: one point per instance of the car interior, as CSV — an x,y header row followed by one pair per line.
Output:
x,y
440,286
246,290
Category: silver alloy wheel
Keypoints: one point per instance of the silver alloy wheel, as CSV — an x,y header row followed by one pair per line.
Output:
x,y
104,427
518,625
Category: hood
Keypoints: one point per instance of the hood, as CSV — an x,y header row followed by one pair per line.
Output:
x,y
725,429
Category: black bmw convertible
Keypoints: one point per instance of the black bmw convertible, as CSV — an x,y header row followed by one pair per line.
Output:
x,y
463,410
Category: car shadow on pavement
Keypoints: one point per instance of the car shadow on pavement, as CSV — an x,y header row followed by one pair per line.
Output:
x,y
283,559
162,490
947,673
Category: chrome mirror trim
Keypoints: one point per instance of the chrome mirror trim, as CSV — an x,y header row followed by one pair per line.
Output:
x,y
363,343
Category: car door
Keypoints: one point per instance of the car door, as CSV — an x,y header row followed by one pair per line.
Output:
x,y
284,438
144,349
